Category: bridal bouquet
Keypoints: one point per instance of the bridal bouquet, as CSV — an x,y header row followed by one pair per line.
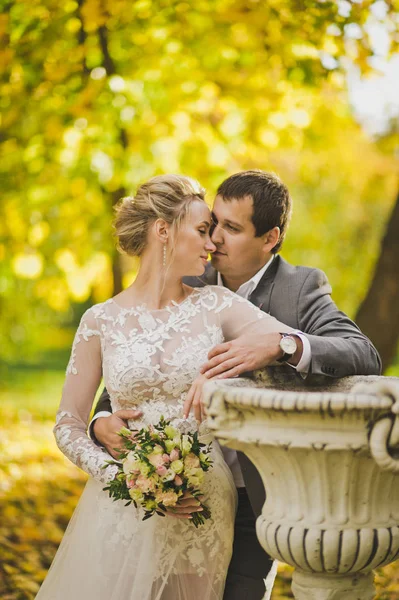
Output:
x,y
158,464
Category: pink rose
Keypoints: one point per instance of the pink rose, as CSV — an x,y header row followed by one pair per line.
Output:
x,y
178,480
161,471
175,454
166,458
144,484
130,483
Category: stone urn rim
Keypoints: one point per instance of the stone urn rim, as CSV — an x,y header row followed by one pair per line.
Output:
x,y
362,397
377,403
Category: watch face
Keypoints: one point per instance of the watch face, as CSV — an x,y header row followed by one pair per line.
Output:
x,y
288,345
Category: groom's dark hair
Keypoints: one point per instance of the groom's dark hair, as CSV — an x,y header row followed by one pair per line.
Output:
x,y
272,203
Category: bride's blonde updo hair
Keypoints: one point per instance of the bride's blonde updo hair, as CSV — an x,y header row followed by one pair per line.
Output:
x,y
166,197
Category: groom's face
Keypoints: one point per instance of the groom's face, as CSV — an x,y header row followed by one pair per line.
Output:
x,y
239,253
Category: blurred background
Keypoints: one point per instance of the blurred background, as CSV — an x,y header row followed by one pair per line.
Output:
x,y
99,95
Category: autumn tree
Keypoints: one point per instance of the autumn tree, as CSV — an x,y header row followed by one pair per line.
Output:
x,y
99,95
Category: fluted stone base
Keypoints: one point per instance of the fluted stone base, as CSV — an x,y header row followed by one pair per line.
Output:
x,y
329,461
306,586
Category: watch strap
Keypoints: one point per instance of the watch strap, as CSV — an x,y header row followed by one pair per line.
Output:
x,y
286,356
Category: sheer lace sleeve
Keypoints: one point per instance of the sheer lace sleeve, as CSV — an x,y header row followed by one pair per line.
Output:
x,y
83,377
239,316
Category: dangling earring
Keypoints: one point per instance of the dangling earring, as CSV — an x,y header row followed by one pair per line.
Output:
x,y
164,255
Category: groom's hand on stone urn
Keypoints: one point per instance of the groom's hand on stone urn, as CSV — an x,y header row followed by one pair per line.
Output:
x,y
106,429
247,353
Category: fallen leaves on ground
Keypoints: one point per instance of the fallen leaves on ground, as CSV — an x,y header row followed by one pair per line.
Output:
x,y
39,489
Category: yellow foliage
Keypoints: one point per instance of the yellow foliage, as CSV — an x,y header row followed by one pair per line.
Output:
x,y
102,94
38,233
93,15
54,292
37,478
28,266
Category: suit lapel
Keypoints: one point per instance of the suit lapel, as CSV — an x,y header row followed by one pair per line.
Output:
x,y
262,294
210,277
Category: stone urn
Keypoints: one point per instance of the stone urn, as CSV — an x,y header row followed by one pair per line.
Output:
x,y
327,459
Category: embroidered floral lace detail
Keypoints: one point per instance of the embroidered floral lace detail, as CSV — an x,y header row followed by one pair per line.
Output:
x,y
148,359
83,333
81,450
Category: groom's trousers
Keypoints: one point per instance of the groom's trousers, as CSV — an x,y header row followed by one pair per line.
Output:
x,y
249,565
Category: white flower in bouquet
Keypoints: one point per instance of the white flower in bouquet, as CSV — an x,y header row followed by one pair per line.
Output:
x,y
177,466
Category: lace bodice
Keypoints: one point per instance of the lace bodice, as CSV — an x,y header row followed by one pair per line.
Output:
x,y
148,359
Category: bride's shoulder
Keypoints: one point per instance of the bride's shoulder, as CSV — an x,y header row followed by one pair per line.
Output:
x,y
220,294
209,290
97,310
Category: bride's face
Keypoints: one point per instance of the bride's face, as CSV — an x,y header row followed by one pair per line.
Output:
x,y
193,242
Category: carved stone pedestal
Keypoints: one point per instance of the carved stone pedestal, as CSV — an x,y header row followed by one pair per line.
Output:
x,y
331,476
352,587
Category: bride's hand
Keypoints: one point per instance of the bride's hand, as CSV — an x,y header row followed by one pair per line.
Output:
x,y
193,400
186,505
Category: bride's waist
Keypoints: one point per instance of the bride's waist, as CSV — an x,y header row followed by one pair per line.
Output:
x,y
149,405
153,416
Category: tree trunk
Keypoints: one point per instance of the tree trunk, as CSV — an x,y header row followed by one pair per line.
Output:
x,y
117,270
378,315
109,66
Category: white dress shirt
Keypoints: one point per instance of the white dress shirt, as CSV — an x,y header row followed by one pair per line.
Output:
x,y
245,290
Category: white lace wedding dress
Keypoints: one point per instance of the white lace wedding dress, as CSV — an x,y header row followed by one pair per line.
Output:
x,y
148,359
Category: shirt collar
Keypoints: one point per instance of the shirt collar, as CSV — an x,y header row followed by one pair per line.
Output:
x,y
246,289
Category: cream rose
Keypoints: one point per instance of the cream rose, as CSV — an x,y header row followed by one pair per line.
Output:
x,y
167,498
191,461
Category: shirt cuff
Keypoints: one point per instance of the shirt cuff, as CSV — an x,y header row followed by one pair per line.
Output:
x,y
90,429
304,362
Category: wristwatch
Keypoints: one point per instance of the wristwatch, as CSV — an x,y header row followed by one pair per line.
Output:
x,y
288,346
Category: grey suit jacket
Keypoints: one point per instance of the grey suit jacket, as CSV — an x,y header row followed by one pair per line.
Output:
x,y
301,298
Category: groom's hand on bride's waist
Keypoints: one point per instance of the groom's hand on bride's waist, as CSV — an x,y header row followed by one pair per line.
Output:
x,y
106,429
246,353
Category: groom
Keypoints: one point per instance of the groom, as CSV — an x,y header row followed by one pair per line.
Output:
x,y
251,214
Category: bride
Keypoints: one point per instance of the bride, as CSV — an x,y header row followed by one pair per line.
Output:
x,y
148,343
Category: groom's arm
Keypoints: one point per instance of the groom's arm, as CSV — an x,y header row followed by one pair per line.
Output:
x,y
103,409
335,346
103,404
338,347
